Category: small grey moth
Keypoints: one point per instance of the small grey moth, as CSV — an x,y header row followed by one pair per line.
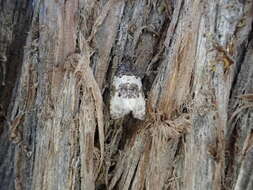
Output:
x,y
127,96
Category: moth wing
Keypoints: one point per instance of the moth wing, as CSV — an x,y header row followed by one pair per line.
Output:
x,y
139,110
117,108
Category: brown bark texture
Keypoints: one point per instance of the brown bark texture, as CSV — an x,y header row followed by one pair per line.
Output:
x,y
57,62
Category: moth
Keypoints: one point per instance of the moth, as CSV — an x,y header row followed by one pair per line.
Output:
x,y
127,94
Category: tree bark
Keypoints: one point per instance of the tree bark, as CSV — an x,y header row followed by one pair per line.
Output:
x,y
58,59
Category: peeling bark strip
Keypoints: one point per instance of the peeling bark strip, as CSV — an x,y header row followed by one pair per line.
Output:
x,y
55,128
86,80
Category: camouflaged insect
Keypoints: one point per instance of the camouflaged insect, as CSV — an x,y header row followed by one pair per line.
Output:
x,y
127,94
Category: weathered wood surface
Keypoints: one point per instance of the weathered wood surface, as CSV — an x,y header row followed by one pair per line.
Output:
x,y
195,59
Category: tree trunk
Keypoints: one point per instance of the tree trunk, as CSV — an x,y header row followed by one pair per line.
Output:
x,y
58,59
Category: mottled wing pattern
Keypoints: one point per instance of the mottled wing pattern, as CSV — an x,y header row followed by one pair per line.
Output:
x,y
127,96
